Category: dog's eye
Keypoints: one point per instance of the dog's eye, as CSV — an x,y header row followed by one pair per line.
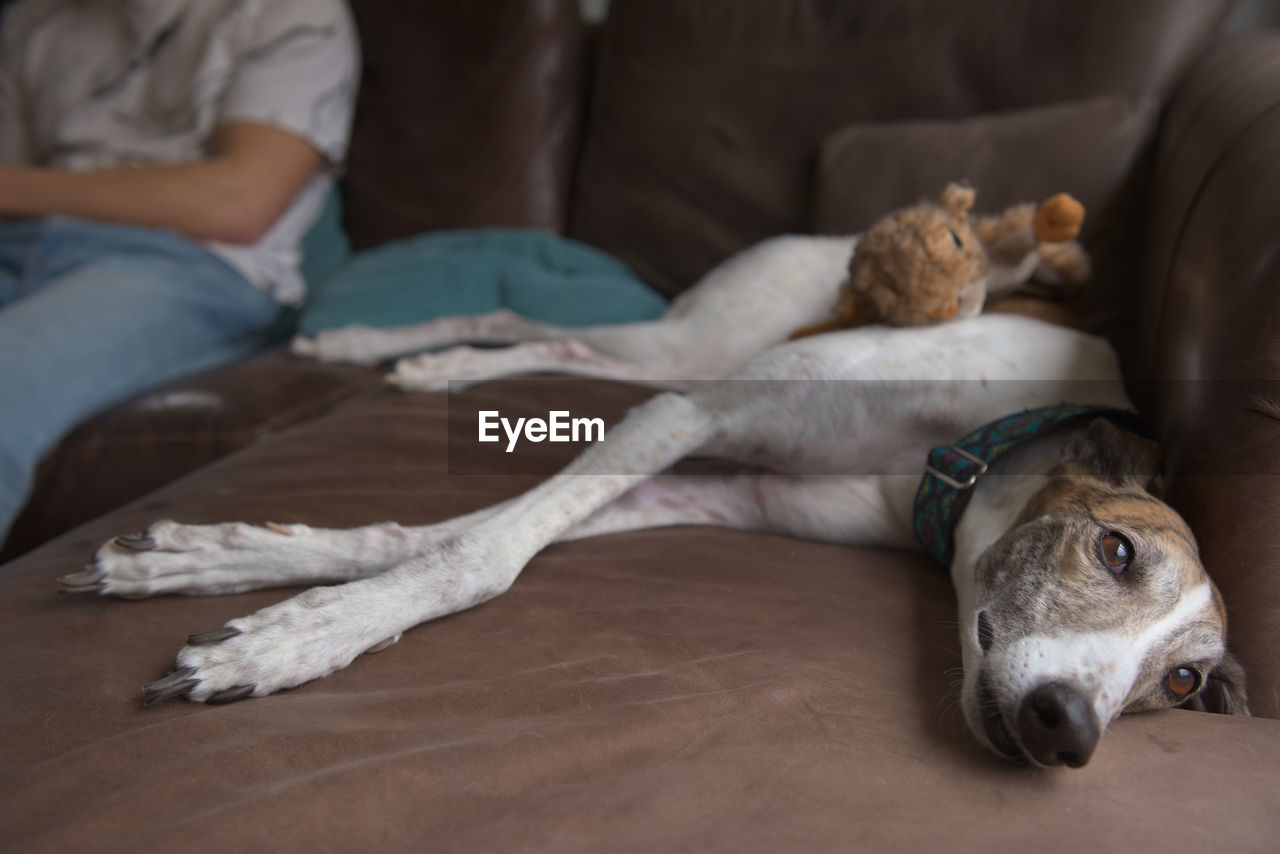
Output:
x,y
955,238
1182,682
1116,551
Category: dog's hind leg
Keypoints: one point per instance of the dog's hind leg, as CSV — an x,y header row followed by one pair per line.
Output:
x,y
459,367
366,345
650,342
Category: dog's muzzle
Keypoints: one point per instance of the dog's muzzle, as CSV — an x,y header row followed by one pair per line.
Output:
x,y
1057,726
1054,725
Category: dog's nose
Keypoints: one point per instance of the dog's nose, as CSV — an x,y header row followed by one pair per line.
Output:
x,y
1057,726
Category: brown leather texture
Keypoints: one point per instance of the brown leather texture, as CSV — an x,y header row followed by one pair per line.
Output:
x,y
1211,299
136,446
707,115
469,114
1085,148
684,689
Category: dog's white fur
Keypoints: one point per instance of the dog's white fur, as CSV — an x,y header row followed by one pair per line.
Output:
x,y
843,420
751,302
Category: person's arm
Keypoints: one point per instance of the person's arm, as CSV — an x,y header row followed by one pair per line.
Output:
x,y
248,180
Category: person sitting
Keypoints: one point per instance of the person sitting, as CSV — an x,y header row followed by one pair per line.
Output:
x,y
160,161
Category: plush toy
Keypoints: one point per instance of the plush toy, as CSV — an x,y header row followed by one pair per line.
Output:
x,y
932,262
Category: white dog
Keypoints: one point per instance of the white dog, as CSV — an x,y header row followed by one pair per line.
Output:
x,y
1081,595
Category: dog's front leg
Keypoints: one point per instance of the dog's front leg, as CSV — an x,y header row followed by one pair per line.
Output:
x,y
233,557
325,628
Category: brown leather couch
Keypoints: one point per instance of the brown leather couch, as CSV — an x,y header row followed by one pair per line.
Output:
x,y
691,689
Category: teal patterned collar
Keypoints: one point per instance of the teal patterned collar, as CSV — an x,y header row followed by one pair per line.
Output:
x,y
952,471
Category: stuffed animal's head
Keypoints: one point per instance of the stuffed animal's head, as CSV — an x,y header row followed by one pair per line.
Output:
x,y
921,265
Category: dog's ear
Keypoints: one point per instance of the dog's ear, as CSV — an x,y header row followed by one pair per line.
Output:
x,y
1224,692
1104,450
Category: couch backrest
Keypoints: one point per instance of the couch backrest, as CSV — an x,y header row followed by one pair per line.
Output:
x,y
708,116
469,115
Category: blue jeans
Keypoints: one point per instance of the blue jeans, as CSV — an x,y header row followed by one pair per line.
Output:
x,y
91,314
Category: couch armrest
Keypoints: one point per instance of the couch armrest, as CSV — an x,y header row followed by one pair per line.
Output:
x,y
1211,308
143,443
1213,198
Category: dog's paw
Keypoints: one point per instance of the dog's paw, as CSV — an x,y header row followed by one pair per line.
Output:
x,y
434,371
195,559
356,344
307,637
301,345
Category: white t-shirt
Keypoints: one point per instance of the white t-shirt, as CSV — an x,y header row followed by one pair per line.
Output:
x,y
90,84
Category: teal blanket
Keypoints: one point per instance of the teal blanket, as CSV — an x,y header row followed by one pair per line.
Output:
x,y
534,273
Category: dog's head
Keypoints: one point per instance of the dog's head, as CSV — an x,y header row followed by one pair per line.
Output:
x,y
1094,604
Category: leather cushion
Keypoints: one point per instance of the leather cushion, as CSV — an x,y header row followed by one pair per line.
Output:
x,y
1086,148
1093,149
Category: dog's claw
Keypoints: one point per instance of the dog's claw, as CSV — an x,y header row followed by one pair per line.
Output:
x,y
230,695
140,542
176,684
215,636
382,644
75,591
88,580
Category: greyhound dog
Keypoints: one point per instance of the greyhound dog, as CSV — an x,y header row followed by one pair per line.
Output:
x,y
1081,595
